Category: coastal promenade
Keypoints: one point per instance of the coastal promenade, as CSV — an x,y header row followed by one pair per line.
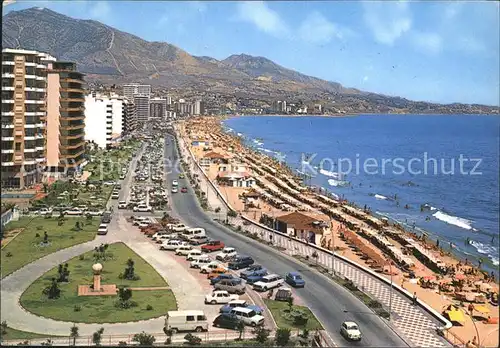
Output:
x,y
416,325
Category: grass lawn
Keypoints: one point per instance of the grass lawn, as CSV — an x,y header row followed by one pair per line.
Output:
x,y
101,309
26,247
277,309
13,334
106,164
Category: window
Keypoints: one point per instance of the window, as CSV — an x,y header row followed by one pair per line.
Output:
x,y
201,318
18,146
190,318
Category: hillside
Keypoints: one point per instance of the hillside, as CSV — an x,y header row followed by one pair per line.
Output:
x,y
109,55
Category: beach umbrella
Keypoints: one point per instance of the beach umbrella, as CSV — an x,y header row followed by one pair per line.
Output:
x,y
459,276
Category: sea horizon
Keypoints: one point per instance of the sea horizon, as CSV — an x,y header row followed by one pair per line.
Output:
x,y
440,206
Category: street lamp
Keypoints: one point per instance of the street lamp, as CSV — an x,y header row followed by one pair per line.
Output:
x,y
390,296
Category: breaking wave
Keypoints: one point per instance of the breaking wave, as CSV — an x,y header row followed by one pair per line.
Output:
x,y
453,220
333,182
330,174
377,196
489,250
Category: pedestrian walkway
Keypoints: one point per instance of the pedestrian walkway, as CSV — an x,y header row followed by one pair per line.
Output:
x,y
412,321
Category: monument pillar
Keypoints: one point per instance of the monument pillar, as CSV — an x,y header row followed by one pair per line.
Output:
x,y
97,268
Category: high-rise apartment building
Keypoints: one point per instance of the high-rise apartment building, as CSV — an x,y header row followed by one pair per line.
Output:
x,y
129,118
118,110
99,120
141,107
65,145
158,108
130,90
169,100
24,79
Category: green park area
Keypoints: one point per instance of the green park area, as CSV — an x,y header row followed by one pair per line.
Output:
x,y
107,164
34,237
55,294
8,333
292,317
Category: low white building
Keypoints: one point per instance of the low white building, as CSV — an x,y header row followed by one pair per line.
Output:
x,y
235,179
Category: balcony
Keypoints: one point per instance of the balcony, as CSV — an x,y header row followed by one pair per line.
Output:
x,y
7,75
73,99
7,88
33,101
73,118
7,138
80,126
70,80
7,150
72,108
40,159
8,62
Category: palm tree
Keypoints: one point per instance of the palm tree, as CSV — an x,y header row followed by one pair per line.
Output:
x,y
74,333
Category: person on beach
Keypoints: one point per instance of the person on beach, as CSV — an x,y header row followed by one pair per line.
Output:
x,y
467,241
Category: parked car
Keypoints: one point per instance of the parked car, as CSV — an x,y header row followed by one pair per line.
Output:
x,y
251,270
221,297
233,286
174,190
106,217
295,279
198,240
220,277
257,276
248,316
143,208
210,267
226,321
214,245
45,211
226,254
94,212
122,205
177,227
200,261
183,250
175,183
226,309
115,195
268,282
74,211
103,229
172,244
217,271
350,330
158,234
184,189
240,262
194,253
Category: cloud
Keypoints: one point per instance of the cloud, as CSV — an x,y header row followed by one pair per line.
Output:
x,y
430,43
387,21
365,79
265,19
100,10
319,30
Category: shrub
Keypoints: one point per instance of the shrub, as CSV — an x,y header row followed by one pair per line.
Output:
x,y
261,334
122,344
238,228
97,336
4,327
81,257
144,339
77,308
149,307
282,337
37,235
192,340
232,213
9,254
217,209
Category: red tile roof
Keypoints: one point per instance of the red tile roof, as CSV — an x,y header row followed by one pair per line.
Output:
x,y
300,221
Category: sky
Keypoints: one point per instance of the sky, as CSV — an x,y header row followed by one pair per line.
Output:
x,y
422,50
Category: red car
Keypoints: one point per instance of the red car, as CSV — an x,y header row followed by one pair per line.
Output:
x,y
213,245
184,190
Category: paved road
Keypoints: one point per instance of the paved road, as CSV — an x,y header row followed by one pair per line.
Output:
x,y
325,298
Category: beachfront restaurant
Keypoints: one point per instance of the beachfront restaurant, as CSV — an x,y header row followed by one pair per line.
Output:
x,y
302,226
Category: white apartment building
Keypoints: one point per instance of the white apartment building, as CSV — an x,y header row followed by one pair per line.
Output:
x,y
98,120
118,110
134,88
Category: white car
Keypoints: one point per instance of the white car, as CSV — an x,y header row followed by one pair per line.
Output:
x,y
183,250
94,212
193,254
248,316
171,244
139,219
74,211
200,261
210,267
122,205
157,235
220,297
350,330
103,229
175,183
174,190
162,238
268,282
226,254
142,208
177,227
45,211
143,224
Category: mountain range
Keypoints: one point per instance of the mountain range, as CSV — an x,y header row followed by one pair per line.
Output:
x,y
109,55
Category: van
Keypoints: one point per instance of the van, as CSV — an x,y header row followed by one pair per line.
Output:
x,y
191,232
193,320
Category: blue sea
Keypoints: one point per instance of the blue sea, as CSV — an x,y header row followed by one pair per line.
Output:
x,y
438,175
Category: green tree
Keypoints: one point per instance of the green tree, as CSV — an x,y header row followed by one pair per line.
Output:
x,y
74,333
192,339
289,300
144,339
261,334
52,291
282,337
97,336
4,327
